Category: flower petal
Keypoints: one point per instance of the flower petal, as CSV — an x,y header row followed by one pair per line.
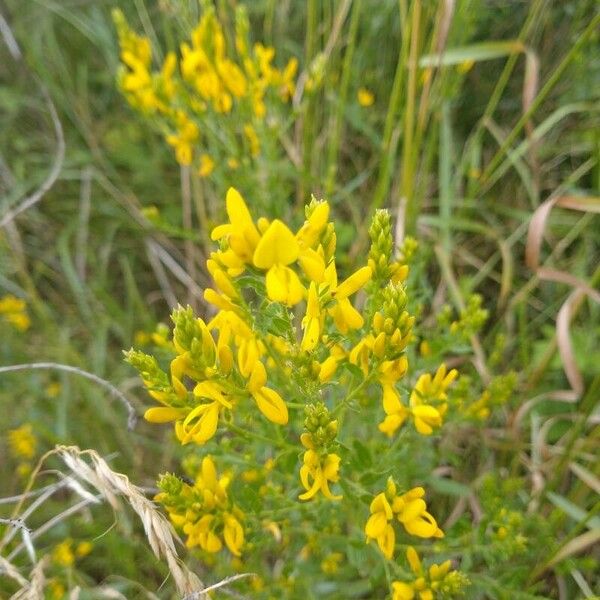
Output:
x,y
271,404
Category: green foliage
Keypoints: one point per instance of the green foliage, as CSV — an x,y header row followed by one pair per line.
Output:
x,y
463,149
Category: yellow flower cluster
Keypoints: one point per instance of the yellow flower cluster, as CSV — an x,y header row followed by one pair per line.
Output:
x,y
13,310
22,445
204,511
284,326
427,403
409,509
22,442
65,553
208,80
438,581
320,466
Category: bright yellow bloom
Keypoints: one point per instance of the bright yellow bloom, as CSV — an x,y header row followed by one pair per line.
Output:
x,y
241,232
345,316
22,442
204,510
427,583
277,249
329,366
365,97
321,470
379,525
269,402
429,390
312,323
200,424
311,231
409,509
396,412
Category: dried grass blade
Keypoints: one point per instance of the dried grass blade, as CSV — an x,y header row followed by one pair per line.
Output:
x,y
159,532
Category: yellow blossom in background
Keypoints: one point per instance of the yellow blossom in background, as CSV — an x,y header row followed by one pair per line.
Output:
x,y
207,81
83,549
13,310
365,97
331,563
57,589
53,389
63,554
22,442
253,140
207,165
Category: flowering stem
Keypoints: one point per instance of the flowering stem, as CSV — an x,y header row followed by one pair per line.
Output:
x,y
259,437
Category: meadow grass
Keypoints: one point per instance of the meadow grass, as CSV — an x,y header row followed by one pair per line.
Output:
x,y
483,141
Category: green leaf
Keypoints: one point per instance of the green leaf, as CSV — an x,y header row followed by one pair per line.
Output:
x,y
473,52
575,512
448,486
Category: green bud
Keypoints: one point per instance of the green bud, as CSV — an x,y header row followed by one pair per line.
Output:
x,y
382,244
170,484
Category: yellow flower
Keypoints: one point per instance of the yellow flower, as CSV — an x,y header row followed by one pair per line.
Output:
x,y
365,97
312,323
83,549
253,140
321,471
379,526
428,582
396,412
183,140
233,534
427,390
207,165
277,249
14,311
411,510
269,402
329,366
241,232
63,554
309,234
22,442
204,510
345,316
200,424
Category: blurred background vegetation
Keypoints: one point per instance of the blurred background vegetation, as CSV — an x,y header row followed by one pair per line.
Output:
x,y
482,111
